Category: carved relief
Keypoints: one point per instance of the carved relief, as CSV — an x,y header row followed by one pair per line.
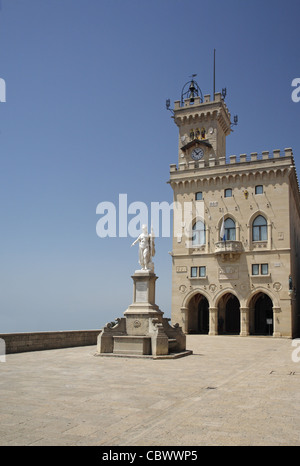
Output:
x,y
259,245
180,269
182,288
277,286
229,273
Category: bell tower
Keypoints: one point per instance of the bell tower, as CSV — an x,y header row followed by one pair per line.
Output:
x,y
203,123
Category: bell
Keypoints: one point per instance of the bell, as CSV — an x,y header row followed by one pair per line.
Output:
x,y
192,91
192,87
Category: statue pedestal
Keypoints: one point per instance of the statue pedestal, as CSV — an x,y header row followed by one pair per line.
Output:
x,y
140,313
143,331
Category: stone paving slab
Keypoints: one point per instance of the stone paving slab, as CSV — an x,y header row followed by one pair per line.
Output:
x,y
230,391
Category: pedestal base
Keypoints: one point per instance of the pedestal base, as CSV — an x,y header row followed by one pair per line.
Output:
x,y
128,344
182,354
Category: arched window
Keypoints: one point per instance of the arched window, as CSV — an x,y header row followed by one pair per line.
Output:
x,y
198,238
259,229
228,192
229,229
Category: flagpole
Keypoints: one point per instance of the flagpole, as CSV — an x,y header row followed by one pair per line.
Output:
x,y
214,74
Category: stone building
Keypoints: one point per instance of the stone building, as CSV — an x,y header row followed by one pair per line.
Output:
x,y
236,252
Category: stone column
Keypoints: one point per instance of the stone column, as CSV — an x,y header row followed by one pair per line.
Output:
x,y
276,321
244,321
213,321
185,319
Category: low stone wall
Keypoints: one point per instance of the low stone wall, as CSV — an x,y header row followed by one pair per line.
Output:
x,y
38,341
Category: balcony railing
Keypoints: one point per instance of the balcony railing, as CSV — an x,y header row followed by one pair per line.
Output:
x,y
228,250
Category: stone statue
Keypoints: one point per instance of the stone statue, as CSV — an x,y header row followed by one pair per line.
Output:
x,y
146,249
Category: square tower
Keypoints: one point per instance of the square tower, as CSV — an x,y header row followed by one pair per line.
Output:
x,y
203,126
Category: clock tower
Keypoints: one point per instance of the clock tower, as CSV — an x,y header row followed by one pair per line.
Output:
x,y
203,124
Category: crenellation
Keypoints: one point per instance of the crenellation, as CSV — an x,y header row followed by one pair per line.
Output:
x,y
187,102
177,105
276,153
288,152
265,155
254,157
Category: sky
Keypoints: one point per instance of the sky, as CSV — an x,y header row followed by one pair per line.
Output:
x,y
84,120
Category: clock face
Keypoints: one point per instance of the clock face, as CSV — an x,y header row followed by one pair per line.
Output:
x,y
197,153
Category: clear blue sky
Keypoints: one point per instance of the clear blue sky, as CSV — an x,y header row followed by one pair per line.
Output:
x,y
85,120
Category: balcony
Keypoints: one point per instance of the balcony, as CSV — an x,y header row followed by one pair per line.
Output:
x,y
228,250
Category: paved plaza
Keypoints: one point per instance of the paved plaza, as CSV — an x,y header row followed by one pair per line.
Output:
x,y
231,391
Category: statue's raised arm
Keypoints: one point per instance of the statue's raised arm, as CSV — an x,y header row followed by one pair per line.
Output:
x,y
135,241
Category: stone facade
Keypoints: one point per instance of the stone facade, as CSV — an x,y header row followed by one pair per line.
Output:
x,y
246,284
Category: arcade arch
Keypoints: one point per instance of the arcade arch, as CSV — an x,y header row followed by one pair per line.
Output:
x,y
261,319
198,314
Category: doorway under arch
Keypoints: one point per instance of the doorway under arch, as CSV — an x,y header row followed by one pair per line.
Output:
x,y
229,321
198,315
261,317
